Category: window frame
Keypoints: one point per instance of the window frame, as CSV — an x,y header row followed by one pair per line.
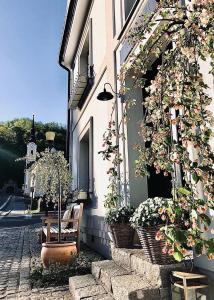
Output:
x,y
88,128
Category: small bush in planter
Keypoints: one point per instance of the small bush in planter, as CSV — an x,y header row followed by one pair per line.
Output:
x,y
151,212
120,215
148,218
121,231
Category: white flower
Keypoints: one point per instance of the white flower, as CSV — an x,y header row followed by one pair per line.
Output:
x,y
205,16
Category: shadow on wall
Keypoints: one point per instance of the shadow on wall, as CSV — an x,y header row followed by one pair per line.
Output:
x,y
94,233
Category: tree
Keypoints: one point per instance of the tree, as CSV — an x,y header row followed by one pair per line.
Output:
x,y
53,179
14,136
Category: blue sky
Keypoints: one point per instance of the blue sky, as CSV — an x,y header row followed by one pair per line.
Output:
x,y
31,81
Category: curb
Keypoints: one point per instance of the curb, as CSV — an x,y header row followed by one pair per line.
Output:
x,y
3,205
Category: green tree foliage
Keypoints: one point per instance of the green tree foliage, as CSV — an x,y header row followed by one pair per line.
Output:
x,y
14,136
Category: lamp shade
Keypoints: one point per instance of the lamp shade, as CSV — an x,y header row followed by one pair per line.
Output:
x,y
50,135
82,195
105,96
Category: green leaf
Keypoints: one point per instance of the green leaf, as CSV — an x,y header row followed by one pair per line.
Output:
x,y
184,191
180,236
210,243
195,177
178,256
170,233
198,248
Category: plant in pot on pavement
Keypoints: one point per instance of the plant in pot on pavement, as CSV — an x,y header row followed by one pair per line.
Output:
x,y
118,220
153,219
53,179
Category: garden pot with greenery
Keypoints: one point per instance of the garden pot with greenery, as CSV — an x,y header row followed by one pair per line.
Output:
x,y
53,179
121,231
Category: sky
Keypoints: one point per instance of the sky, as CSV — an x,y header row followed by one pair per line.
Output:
x,y
31,81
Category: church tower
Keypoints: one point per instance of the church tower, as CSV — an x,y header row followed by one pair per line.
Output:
x,y
31,146
30,159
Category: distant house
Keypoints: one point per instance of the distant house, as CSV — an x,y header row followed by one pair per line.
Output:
x,y
93,48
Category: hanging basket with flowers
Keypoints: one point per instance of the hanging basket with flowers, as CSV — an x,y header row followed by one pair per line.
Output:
x,y
150,218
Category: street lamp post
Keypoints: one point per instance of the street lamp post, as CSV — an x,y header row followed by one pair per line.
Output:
x,y
50,136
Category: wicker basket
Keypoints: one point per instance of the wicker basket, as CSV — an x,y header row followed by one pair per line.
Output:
x,y
153,248
122,235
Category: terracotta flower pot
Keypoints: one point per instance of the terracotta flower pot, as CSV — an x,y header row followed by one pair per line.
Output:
x,y
55,253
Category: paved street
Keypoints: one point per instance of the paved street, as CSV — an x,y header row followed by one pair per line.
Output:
x,y
19,252
13,214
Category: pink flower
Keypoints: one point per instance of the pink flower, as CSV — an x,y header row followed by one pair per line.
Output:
x,y
171,251
164,250
158,236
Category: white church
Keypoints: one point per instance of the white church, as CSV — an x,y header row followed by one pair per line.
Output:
x,y
29,172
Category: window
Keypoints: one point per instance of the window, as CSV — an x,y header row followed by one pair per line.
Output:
x,y
123,11
162,184
86,158
128,5
84,163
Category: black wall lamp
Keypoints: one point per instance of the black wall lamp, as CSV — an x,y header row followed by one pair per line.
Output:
x,y
106,96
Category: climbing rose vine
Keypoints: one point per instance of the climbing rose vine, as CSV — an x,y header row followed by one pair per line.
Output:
x,y
177,125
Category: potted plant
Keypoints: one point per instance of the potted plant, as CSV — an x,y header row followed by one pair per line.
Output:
x,y
53,179
148,219
121,231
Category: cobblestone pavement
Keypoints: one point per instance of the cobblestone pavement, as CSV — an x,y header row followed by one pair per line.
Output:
x,y
19,251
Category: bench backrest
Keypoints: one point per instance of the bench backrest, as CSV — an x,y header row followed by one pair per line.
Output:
x,y
76,214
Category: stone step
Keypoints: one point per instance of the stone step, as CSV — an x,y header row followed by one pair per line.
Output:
x,y
135,261
134,287
111,282
86,287
105,270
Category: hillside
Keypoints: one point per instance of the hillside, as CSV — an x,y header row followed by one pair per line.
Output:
x,y
14,136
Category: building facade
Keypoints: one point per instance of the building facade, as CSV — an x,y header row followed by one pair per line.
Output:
x,y
93,50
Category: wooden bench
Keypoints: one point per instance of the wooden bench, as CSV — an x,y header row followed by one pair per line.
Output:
x,y
70,225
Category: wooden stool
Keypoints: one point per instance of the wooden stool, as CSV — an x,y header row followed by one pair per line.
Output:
x,y
192,284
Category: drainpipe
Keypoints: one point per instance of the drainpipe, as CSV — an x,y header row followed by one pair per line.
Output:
x,y
68,111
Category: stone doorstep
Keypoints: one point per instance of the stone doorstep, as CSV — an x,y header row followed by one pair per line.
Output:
x,y
122,256
135,261
96,267
84,287
130,287
107,270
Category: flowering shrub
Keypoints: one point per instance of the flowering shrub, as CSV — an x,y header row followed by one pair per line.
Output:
x,y
119,215
152,212
178,101
52,175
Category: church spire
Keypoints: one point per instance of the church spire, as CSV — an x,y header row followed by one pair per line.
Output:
x,y
32,132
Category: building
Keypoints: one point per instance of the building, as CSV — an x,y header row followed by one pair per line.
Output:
x,y
92,51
